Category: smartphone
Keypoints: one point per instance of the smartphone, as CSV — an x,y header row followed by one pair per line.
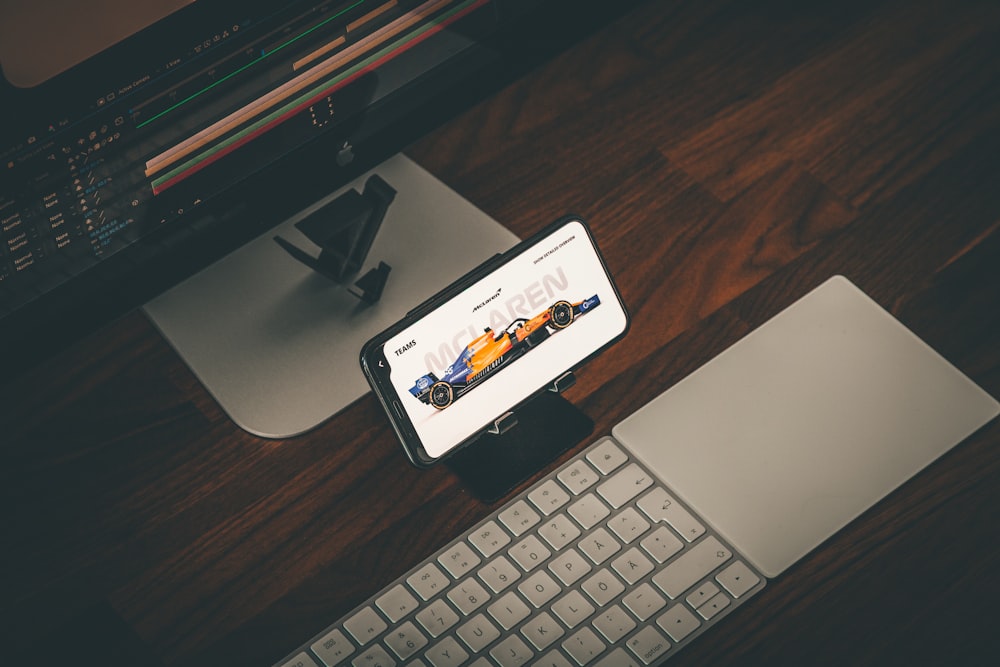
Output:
x,y
494,339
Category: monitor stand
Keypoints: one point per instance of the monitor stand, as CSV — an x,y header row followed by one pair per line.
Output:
x,y
277,344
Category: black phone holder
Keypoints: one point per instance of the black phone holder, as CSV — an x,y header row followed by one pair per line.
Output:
x,y
344,230
519,444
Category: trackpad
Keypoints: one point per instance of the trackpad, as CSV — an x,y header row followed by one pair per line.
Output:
x,y
805,423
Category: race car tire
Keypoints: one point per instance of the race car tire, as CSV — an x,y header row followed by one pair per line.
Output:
x,y
441,395
561,314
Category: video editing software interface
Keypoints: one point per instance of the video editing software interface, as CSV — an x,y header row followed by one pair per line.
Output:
x,y
102,144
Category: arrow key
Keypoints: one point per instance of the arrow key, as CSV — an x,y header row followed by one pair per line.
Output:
x,y
737,579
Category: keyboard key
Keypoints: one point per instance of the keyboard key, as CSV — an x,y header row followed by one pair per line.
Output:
x,y
578,477
628,525
614,623
396,603
459,559
542,630
569,567
478,633
332,648
572,609
588,511
661,544
691,566
539,588
603,587
607,456
365,625
559,531
449,653
437,618
509,610
301,660
519,517
599,546
499,574
660,506
617,658
428,581
737,579
714,606
553,659
678,622
529,553
648,644
511,652
584,646
548,497
632,566
468,596
489,538
644,601
702,594
376,656
405,640
625,485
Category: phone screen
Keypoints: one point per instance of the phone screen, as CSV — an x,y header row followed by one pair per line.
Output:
x,y
497,342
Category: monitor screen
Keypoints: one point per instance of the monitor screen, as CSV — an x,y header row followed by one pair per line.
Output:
x,y
134,137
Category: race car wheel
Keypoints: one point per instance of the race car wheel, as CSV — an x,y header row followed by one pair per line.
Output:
x,y
562,314
441,395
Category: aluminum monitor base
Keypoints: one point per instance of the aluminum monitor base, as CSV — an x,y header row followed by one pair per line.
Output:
x,y
277,344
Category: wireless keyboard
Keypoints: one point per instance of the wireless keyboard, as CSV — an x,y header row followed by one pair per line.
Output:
x,y
595,564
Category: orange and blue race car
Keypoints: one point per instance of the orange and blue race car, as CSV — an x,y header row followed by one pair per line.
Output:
x,y
491,351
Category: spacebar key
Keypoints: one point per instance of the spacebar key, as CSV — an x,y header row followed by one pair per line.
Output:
x,y
692,566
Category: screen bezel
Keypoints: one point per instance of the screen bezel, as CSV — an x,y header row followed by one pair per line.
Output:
x,y
372,354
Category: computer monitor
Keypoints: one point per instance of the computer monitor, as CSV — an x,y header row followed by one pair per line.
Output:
x,y
140,142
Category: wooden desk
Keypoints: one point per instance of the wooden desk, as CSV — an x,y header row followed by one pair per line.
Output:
x,y
729,158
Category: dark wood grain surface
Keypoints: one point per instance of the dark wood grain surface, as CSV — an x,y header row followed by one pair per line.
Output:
x,y
730,156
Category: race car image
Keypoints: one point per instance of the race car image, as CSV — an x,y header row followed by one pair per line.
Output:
x,y
491,351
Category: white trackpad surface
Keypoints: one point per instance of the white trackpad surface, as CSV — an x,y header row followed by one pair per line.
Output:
x,y
805,423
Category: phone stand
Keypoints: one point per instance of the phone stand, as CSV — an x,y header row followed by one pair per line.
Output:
x,y
344,231
519,444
